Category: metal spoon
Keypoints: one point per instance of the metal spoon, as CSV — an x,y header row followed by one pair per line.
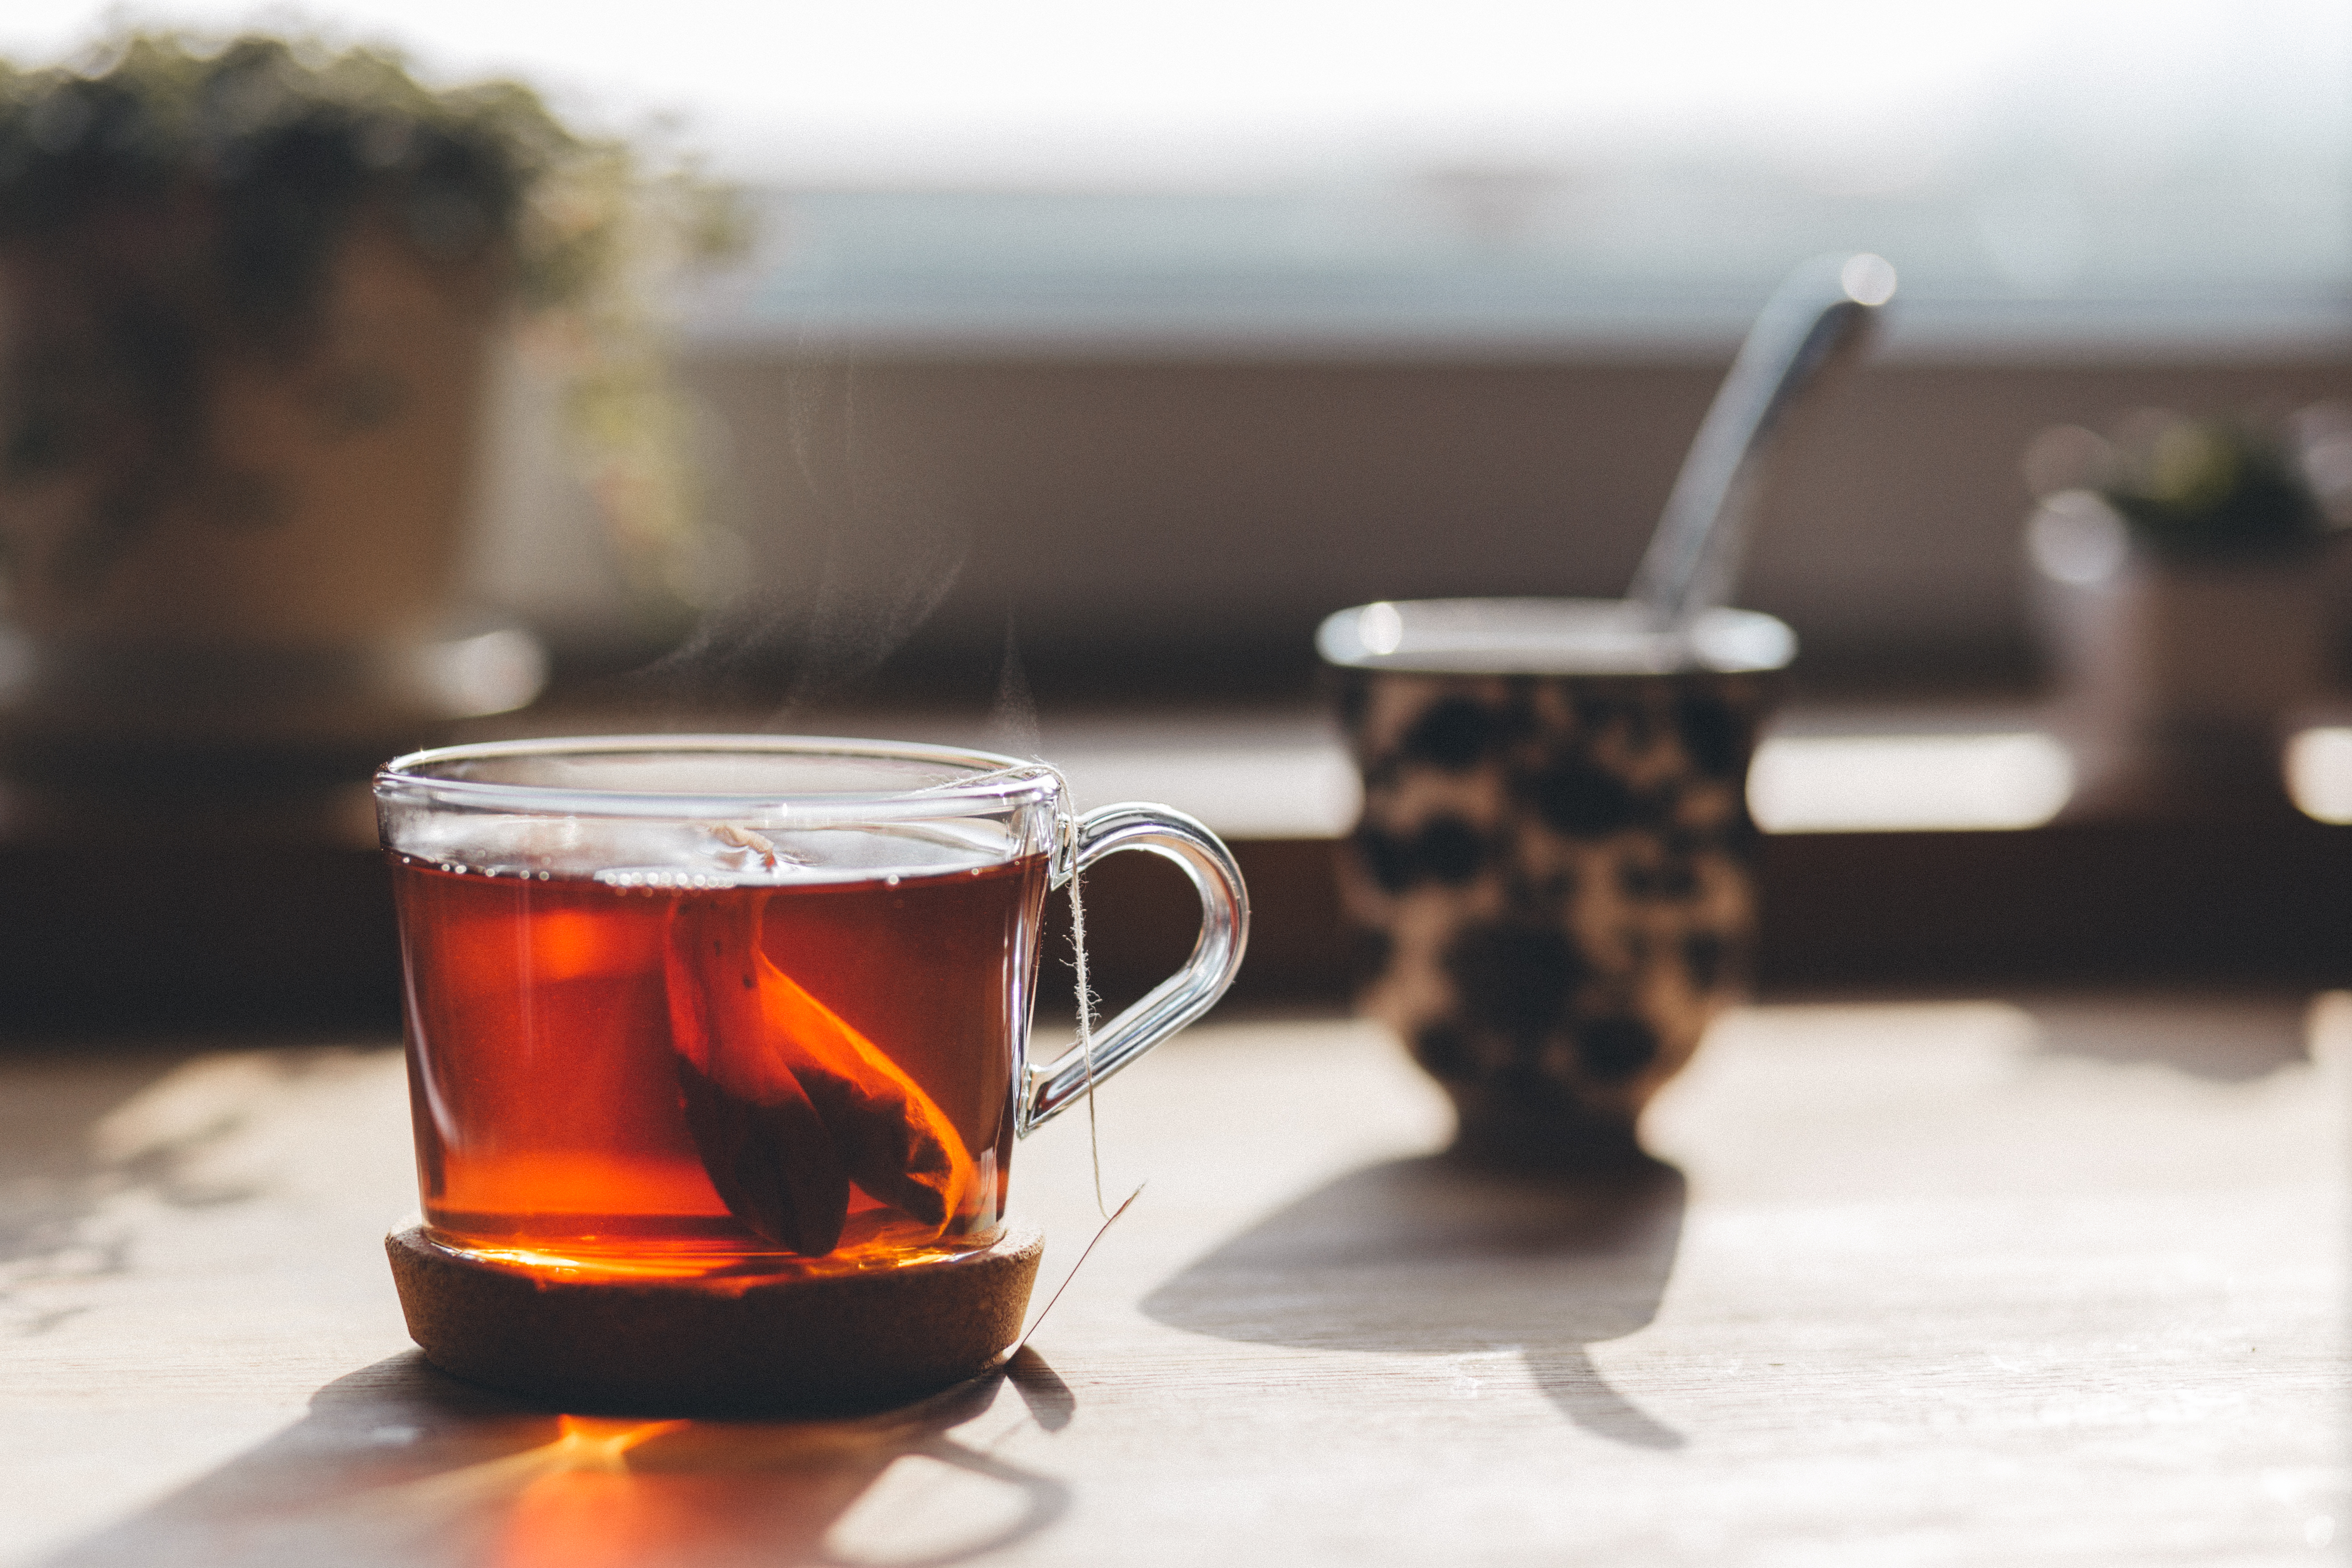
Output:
x,y
1825,311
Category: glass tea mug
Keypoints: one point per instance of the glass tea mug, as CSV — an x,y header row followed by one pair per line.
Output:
x,y
689,1006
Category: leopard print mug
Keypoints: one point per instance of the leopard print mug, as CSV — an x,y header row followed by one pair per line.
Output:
x,y
1551,887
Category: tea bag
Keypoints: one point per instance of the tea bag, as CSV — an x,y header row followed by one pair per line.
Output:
x,y
761,1141
742,1025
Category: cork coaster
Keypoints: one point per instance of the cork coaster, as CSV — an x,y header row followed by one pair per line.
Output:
x,y
833,1342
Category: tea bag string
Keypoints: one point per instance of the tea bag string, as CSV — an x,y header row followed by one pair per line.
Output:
x,y
1065,823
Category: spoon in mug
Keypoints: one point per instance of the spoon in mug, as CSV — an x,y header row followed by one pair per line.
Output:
x,y
1822,313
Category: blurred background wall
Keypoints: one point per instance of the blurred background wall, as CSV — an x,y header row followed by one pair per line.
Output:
x,y
1192,521
1149,334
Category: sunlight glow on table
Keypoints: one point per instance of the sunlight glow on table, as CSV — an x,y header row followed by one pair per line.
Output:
x,y
1861,783
1307,790
2319,773
1304,787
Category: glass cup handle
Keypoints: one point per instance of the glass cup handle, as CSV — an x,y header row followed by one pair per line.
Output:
x,y
1183,995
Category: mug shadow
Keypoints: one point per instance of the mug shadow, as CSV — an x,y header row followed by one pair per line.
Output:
x,y
2227,1039
1427,1257
401,1463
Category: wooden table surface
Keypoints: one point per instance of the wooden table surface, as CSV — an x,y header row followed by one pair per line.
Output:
x,y
2057,1280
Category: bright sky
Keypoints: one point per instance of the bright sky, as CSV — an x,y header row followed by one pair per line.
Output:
x,y
1087,89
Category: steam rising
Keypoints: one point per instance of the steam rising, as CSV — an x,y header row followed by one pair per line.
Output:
x,y
1012,716
836,588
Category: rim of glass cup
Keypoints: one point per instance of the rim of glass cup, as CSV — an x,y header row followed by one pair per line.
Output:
x,y
993,782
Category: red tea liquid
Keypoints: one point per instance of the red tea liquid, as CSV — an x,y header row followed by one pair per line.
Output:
x,y
772,1076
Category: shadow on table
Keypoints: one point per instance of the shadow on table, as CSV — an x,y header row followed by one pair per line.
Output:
x,y
2227,1039
53,1177
398,1463
1426,1257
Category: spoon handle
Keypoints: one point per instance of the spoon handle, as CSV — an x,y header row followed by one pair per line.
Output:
x,y
1822,312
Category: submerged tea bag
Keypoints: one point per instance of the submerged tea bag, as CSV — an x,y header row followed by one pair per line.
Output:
x,y
787,1102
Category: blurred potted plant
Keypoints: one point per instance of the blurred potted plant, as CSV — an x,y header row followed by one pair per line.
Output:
x,y
2183,570
250,297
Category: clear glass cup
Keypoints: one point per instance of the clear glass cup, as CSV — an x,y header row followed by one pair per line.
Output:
x,y
691,1005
